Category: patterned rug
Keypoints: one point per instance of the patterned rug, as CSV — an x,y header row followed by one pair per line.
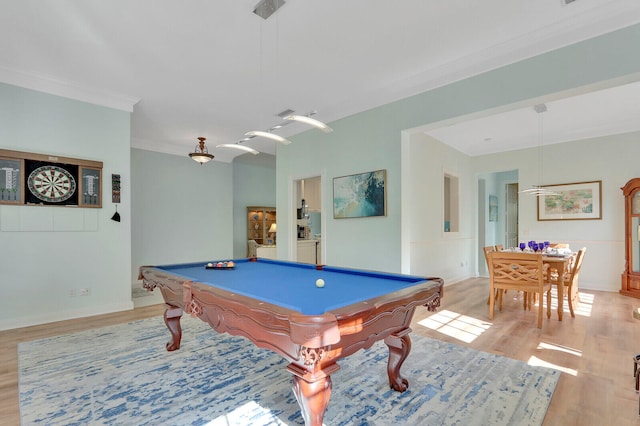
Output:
x,y
122,375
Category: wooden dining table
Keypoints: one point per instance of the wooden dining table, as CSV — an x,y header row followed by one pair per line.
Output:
x,y
559,263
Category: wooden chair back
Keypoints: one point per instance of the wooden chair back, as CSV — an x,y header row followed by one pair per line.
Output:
x,y
517,271
487,250
521,272
570,279
577,265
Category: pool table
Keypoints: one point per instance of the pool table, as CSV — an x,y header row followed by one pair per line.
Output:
x,y
277,305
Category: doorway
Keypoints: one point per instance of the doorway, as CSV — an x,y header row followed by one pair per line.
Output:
x,y
497,212
511,215
309,223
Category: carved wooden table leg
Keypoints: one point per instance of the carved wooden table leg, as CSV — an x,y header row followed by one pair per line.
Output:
x,y
312,384
399,347
172,317
313,398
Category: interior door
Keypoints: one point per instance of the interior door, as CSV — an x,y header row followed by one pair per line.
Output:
x,y
511,215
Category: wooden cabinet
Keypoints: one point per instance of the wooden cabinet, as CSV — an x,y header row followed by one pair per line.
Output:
x,y
309,189
312,194
631,274
259,220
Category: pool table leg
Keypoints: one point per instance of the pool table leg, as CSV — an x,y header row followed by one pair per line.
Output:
x,y
172,317
313,398
399,347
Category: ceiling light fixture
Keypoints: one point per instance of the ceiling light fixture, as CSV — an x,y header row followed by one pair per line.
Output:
x,y
539,190
310,121
201,153
267,135
238,146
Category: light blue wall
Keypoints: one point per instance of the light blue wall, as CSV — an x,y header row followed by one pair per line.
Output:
x,y
40,262
181,211
254,185
374,140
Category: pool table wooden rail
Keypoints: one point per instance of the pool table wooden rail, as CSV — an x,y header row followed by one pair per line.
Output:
x,y
311,343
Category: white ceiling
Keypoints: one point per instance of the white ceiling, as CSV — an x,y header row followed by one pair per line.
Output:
x,y
213,68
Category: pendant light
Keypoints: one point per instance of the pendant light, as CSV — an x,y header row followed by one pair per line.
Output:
x,y
201,153
309,121
539,190
238,147
268,135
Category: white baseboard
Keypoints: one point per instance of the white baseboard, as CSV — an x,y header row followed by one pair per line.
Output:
x,y
46,318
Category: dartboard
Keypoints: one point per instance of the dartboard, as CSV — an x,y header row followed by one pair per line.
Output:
x,y
51,183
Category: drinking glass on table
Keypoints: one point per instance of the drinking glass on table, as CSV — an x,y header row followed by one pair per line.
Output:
x,y
522,246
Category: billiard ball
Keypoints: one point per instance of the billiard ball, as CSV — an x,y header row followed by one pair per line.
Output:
x,y
210,264
319,283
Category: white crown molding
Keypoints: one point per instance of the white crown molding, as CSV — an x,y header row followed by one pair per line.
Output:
x,y
593,23
67,90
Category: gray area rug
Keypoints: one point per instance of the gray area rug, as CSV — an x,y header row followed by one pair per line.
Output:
x,y
122,375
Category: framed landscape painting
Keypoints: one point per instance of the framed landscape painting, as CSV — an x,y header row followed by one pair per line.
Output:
x,y
571,201
361,195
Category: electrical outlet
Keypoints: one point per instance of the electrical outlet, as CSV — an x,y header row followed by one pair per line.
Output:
x,y
84,292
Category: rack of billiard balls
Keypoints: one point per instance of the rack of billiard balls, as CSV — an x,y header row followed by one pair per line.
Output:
x,y
230,264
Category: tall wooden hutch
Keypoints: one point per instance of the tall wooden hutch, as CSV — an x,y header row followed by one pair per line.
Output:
x,y
631,274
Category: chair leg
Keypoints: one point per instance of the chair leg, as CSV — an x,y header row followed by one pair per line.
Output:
x,y
498,295
492,300
540,312
572,296
549,304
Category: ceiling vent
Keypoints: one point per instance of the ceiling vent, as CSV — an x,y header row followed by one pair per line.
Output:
x,y
266,8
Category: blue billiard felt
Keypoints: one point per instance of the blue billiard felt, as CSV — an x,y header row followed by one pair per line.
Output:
x,y
293,285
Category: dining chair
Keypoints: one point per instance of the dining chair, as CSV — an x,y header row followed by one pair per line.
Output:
x,y
487,250
521,272
571,281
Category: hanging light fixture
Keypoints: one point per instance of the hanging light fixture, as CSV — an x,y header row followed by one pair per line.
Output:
x,y
539,190
289,117
268,135
310,121
201,153
239,147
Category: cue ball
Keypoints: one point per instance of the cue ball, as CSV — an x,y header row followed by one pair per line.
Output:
x,y
319,283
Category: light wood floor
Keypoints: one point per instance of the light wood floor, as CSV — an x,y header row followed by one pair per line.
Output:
x,y
594,350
